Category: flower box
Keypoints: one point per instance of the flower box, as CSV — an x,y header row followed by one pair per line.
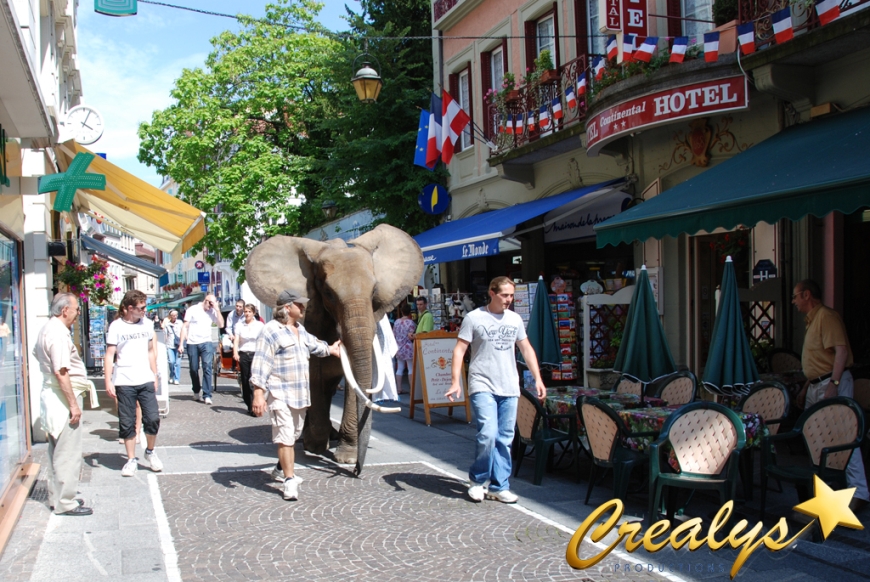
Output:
x,y
549,76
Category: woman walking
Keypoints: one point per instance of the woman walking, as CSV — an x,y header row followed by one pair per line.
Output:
x,y
402,329
246,333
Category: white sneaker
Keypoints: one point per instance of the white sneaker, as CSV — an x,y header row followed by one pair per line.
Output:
x,y
207,400
198,397
130,467
156,463
278,474
505,496
477,492
291,489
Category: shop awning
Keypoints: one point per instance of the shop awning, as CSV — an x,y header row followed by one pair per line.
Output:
x,y
478,235
123,258
813,168
136,207
192,298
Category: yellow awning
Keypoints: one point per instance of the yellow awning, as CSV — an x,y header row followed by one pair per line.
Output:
x,y
145,212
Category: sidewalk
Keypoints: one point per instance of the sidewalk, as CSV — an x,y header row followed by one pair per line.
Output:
x,y
214,513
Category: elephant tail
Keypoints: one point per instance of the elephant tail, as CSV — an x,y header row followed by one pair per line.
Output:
x,y
348,375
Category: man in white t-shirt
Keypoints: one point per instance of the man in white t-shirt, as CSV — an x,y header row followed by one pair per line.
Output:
x,y
198,321
493,387
133,378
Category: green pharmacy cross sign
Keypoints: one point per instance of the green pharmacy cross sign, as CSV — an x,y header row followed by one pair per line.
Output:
x,y
116,7
68,182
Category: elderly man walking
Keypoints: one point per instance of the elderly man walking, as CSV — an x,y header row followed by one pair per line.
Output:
x,y
61,407
279,375
198,321
172,335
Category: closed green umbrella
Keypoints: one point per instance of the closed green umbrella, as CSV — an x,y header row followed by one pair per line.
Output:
x,y
542,329
644,351
730,368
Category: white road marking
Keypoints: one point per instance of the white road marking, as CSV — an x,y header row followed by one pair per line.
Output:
x,y
167,545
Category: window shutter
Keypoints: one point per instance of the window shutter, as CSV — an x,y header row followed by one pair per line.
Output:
x,y
485,85
580,27
470,104
558,49
675,25
453,85
504,54
531,35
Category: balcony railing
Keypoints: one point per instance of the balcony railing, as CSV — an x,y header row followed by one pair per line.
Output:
x,y
530,100
803,15
442,7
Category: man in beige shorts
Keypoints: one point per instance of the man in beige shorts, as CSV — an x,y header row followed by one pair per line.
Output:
x,y
279,376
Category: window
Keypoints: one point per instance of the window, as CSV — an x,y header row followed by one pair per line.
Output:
x,y
700,10
497,68
597,40
546,36
465,103
493,65
543,34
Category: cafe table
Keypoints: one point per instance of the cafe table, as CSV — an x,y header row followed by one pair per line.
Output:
x,y
563,399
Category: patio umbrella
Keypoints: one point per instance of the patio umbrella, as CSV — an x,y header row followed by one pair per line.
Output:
x,y
542,329
730,368
644,351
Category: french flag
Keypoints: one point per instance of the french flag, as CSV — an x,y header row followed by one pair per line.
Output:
x,y
598,68
581,84
569,97
544,117
678,51
645,51
612,47
557,108
711,47
530,121
433,142
518,124
628,48
782,27
828,10
454,119
746,37
509,124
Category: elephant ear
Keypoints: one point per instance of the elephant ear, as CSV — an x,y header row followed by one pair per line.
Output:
x,y
280,263
398,264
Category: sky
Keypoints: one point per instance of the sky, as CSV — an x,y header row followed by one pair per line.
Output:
x,y
129,65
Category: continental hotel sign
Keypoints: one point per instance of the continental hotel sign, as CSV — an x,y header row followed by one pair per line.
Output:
x,y
663,107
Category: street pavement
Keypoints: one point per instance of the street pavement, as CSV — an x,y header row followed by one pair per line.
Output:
x,y
214,513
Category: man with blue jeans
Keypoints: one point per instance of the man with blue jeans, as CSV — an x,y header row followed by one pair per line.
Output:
x,y
493,387
196,330
172,336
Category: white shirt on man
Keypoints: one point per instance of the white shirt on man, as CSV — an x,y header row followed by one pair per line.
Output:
x,y
201,321
133,367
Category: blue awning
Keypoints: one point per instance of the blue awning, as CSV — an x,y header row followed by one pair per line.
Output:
x,y
123,258
479,235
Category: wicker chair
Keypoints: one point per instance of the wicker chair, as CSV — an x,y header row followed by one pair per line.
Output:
x,y
706,439
831,430
783,360
676,389
606,433
533,428
770,401
628,385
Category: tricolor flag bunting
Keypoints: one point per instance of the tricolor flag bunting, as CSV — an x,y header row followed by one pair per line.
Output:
x,y
544,117
628,48
454,120
570,99
828,10
530,121
433,142
518,124
612,47
678,51
782,28
645,51
746,37
598,68
501,123
711,47
509,124
557,108
581,84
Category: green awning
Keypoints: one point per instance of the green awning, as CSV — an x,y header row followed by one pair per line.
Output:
x,y
813,168
192,298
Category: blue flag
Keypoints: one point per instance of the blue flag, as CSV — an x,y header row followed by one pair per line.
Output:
x,y
422,139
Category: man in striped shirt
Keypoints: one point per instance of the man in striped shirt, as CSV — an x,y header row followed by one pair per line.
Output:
x,y
279,375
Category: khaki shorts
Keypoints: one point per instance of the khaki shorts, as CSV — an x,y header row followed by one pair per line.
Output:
x,y
287,423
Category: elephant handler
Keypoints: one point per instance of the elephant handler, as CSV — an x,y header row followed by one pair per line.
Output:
x,y
279,375
493,387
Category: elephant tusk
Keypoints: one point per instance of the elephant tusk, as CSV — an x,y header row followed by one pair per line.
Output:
x,y
348,375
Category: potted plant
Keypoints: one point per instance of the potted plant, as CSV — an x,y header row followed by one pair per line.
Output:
x,y
544,65
502,97
725,17
92,283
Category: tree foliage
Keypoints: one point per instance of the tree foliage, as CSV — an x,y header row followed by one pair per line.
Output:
x,y
271,120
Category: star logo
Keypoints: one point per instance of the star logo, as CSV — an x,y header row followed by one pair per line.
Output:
x,y
830,508
68,182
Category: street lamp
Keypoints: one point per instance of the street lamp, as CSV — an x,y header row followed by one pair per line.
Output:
x,y
366,82
329,209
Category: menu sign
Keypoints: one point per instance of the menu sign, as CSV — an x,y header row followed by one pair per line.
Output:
x,y
663,107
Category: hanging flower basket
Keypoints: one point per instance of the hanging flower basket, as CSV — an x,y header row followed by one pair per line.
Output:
x,y
91,283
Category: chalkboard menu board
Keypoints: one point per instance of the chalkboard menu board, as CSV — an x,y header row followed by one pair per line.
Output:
x,y
433,359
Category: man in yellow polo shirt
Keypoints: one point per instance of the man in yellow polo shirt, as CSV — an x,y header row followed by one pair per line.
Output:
x,y
825,359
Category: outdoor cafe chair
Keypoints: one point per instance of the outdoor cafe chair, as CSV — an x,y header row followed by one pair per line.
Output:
x,y
534,427
706,439
676,389
770,401
628,385
606,433
782,360
831,430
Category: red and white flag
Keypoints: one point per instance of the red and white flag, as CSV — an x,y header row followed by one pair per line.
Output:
x,y
518,124
628,48
828,10
581,84
598,68
544,117
453,120
530,121
557,108
570,99
612,47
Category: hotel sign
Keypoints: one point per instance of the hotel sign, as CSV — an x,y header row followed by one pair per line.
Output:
x,y
664,107
634,15
611,15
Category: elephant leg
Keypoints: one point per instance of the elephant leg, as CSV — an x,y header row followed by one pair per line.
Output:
x,y
348,434
318,426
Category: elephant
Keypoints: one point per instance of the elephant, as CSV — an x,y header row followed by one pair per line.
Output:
x,y
350,287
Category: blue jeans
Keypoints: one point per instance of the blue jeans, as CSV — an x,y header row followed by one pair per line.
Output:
x,y
174,364
496,418
201,353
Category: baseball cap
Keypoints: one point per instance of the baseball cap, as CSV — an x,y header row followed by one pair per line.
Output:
x,y
290,296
